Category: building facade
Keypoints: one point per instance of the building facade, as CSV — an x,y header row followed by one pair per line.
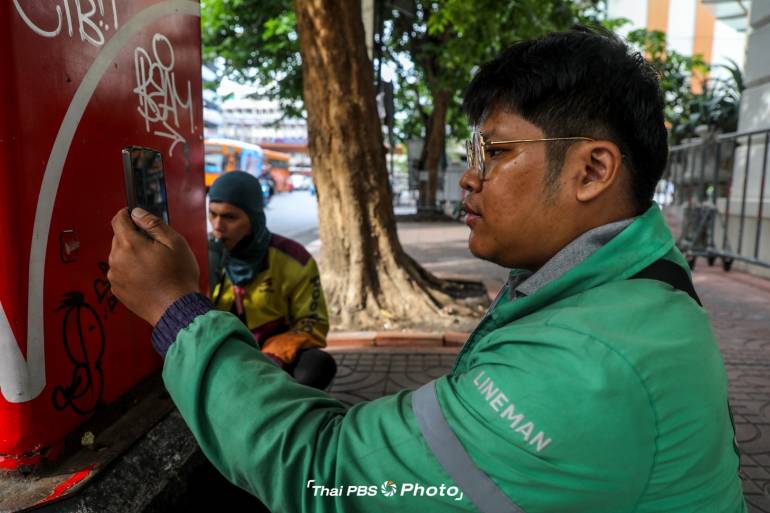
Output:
x,y
261,122
693,27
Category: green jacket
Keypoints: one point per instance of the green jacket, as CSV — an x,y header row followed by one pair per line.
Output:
x,y
595,394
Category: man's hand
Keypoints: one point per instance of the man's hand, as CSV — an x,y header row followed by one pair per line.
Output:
x,y
148,275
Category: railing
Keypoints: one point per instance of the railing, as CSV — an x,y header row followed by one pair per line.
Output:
x,y
713,194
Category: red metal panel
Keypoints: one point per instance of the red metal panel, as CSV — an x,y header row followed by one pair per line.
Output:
x,y
81,80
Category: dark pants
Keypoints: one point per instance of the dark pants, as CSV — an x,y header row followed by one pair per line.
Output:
x,y
313,367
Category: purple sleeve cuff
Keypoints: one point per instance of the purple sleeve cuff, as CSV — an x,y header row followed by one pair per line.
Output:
x,y
177,317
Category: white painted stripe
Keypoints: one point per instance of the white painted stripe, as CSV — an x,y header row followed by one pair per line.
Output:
x,y
21,380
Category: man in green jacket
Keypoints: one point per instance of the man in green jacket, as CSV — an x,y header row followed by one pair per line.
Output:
x,y
594,383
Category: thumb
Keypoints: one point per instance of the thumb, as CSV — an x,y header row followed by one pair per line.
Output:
x,y
154,226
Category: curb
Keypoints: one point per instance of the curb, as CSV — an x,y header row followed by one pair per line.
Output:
x,y
395,339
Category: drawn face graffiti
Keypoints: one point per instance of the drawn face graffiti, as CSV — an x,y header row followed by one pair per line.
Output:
x,y
83,336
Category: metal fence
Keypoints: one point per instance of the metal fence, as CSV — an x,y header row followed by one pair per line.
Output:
x,y
713,192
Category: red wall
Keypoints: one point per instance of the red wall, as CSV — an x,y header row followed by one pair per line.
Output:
x,y
81,80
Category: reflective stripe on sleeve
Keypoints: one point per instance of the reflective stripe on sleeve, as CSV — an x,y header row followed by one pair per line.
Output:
x,y
450,453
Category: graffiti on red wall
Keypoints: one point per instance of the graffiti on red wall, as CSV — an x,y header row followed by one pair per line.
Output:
x,y
89,19
160,103
83,337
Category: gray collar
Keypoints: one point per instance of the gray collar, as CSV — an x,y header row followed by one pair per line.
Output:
x,y
527,283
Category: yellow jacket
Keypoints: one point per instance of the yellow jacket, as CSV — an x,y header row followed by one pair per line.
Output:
x,y
284,306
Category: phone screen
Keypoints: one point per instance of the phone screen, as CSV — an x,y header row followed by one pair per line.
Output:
x,y
145,181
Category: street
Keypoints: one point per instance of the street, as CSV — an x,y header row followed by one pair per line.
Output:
x,y
291,214
294,215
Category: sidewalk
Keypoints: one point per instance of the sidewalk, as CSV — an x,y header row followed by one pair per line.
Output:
x,y
739,308
738,305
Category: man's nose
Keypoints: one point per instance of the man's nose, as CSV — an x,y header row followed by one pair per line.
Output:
x,y
469,181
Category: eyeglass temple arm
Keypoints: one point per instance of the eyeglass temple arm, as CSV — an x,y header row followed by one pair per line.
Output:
x,y
493,143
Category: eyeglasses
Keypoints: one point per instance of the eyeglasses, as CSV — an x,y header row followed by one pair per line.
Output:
x,y
476,148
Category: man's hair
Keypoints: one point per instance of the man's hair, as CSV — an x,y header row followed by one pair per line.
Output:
x,y
584,82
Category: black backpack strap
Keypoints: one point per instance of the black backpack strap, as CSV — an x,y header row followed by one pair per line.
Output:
x,y
669,272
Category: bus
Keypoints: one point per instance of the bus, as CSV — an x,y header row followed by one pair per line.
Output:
x,y
277,164
222,155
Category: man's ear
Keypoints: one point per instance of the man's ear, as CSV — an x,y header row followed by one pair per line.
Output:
x,y
598,164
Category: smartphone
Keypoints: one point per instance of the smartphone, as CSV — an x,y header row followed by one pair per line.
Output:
x,y
145,181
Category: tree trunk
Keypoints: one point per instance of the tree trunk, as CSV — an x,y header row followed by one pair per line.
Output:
x,y
368,279
433,149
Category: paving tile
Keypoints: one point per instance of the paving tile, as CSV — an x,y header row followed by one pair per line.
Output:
x,y
739,309
360,377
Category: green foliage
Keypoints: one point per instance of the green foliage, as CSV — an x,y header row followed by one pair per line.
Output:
x,y
434,46
715,106
443,40
255,41
446,40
